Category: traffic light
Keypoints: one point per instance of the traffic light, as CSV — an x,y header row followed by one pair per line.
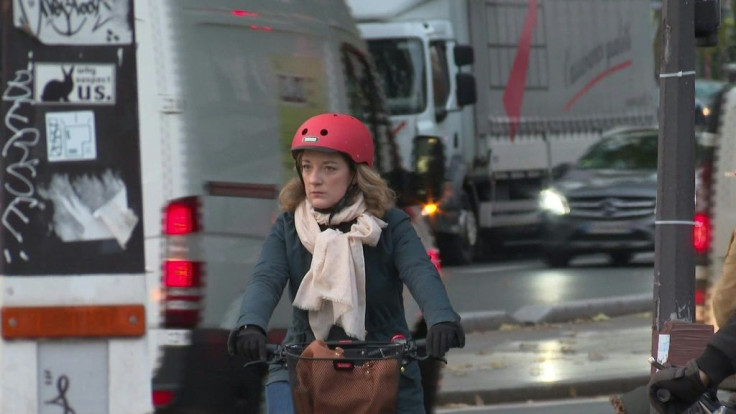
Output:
x,y
707,19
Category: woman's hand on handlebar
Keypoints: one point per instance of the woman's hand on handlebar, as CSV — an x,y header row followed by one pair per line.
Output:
x,y
443,336
674,390
250,342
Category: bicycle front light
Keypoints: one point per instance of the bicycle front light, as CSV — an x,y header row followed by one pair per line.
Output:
x,y
553,202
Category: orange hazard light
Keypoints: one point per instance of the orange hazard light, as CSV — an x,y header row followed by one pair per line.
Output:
x,y
73,321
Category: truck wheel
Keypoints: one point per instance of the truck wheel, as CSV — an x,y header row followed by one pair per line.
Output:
x,y
459,249
557,259
620,258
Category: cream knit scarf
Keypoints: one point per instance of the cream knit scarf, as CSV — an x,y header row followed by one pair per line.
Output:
x,y
333,290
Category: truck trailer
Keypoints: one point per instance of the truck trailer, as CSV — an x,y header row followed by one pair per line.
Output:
x,y
511,89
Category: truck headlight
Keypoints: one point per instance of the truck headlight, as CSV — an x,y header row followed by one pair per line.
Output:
x,y
553,202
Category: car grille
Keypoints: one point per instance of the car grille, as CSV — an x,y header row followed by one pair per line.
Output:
x,y
612,208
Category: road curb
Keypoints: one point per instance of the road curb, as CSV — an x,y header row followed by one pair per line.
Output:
x,y
551,391
614,306
484,321
536,314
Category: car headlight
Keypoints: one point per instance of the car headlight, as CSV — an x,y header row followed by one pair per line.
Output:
x,y
553,202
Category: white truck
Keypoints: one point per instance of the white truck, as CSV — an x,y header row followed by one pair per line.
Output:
x,y
511,89
72,282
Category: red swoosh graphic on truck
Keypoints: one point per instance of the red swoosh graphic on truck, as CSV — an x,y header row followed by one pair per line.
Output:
x,y
513,95
589,85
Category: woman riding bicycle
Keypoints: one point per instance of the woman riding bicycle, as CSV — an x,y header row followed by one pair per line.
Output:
x,y
345,253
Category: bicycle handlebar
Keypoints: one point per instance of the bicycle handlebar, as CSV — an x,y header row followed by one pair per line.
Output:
x,y
276,352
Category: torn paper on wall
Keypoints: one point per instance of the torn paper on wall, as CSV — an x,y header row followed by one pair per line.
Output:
x,y
90,208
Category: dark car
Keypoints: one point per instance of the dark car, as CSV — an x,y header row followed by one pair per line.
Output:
x,y
605,202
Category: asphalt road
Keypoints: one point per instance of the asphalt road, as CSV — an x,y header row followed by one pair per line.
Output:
x,y
510,285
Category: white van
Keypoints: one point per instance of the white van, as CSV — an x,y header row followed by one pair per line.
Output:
x,y
223,84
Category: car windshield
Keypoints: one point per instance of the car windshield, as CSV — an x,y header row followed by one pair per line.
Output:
x,y
706,90
626,151
400,65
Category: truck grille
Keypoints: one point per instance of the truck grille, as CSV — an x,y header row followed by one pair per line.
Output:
x,y
612,208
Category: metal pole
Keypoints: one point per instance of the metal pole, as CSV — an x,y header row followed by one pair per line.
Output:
x,y
674,261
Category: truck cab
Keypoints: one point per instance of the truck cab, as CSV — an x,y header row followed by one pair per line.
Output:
x,y
425,74
544,94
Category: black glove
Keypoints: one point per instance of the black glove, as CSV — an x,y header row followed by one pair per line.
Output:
x,y
443,336
249,341
679,387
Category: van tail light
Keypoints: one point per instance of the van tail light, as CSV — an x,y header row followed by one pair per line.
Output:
x,y
181,216
699,297
162,398
182,277
701,233
183,285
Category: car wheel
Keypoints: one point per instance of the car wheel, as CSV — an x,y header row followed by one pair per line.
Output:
x,y
621,258
460,249
557,259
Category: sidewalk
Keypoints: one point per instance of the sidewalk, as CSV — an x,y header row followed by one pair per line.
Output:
x,y
570,350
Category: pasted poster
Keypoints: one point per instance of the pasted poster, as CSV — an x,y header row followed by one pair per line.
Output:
x,y
75,22
70,176
74,83
71,136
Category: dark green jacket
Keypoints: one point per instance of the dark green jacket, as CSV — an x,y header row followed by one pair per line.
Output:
x,y
398,259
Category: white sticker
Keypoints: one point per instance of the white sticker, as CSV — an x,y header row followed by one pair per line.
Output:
x,y
73,377
74,83
70,136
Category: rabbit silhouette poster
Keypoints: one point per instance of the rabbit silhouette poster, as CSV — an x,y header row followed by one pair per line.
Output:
x,y
70,83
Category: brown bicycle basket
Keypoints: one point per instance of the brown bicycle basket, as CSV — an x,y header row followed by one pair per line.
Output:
x,y
334,378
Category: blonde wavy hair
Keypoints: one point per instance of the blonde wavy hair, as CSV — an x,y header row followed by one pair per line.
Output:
x,y
379,198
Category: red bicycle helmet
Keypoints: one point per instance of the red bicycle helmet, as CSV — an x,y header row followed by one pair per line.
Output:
x,y
335,132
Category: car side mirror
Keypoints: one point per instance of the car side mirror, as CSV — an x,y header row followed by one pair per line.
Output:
x,y
428,162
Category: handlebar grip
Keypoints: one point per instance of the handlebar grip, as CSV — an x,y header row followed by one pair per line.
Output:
x,y
663,395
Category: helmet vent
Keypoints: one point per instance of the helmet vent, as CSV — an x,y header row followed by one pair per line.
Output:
x,y
323,132
304,131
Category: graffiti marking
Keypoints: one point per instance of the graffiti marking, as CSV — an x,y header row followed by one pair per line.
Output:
x,y
16,153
